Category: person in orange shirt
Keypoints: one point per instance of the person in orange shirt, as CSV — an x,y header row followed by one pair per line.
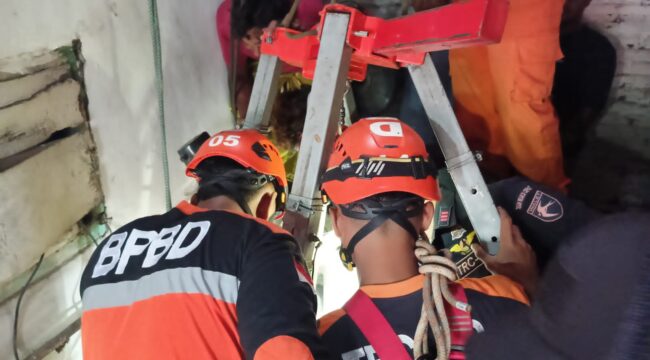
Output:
x,y
380,181
210,279
502,93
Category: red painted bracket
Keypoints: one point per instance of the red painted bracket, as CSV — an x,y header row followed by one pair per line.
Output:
x,y
396,42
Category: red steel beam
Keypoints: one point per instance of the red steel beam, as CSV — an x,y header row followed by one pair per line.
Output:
x,y
463,23
396,42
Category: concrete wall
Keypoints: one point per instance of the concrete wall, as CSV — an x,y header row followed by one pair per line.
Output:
x,y
116,43
123,112
627,24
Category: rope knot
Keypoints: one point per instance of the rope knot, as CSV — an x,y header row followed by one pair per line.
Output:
x,y
438,271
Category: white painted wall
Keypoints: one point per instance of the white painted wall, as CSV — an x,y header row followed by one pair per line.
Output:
x,y
116,43
627,24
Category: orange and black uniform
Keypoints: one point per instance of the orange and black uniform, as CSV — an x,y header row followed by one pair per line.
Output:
x,y
198,284
401,303
502,92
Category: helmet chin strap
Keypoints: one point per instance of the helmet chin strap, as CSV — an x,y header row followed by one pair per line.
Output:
x,y
379,213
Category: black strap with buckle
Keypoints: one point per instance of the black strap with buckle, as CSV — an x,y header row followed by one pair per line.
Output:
x,y
371,167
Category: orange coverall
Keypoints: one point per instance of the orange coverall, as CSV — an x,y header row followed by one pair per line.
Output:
x,y
502,92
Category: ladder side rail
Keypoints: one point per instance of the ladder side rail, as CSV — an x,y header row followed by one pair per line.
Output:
x,y
304,205
460,161
265,90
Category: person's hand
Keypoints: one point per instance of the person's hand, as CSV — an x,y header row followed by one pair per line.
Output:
x,y
253,38
515,259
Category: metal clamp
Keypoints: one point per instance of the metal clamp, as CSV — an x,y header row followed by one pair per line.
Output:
x,y
303,206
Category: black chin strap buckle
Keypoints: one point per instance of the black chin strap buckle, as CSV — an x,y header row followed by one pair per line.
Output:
x,y
418,167
346,258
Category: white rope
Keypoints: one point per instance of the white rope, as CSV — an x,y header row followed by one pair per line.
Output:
x,y
438,271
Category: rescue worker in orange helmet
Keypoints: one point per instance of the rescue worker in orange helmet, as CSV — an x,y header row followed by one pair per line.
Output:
x,y
210,279
502,93
380,183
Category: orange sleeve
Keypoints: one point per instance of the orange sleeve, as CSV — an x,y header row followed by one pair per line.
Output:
x,y
283,347
496,285
328,320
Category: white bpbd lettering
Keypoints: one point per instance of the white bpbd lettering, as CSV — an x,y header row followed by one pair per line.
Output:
x,y
132,248
386,128
111,251
356,354
173,242
163,241
407,340
177,251
368,352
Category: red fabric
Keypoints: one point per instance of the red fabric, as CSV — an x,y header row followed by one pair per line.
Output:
x,y
375,327
460,323
223,32
307,16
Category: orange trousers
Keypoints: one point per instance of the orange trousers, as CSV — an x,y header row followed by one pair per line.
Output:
x,y
502,92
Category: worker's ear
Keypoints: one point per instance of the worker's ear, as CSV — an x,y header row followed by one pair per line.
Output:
x,y
427,216
266,205
335,216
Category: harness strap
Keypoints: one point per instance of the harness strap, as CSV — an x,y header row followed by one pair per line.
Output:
x,y
460,323
346,253
375,327
399,217
368,168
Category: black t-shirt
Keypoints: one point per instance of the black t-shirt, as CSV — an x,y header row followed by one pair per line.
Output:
x,y
401,304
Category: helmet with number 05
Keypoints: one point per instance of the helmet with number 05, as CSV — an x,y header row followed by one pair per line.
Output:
x,y
251,150
375,156
248,147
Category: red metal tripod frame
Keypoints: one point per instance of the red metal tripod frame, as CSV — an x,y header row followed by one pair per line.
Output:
x,y
396,42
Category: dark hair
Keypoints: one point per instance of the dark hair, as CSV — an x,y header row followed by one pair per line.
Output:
x,y
220,176
257,13
288,117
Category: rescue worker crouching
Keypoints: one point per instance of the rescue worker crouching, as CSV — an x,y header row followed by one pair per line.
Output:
x,y
211,279
380,184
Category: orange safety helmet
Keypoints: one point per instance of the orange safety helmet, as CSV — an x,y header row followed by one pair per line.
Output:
x,y
378,155
250,149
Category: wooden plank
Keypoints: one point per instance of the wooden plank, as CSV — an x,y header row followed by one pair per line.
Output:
x,y
29,63
31,122
26,87
43,198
